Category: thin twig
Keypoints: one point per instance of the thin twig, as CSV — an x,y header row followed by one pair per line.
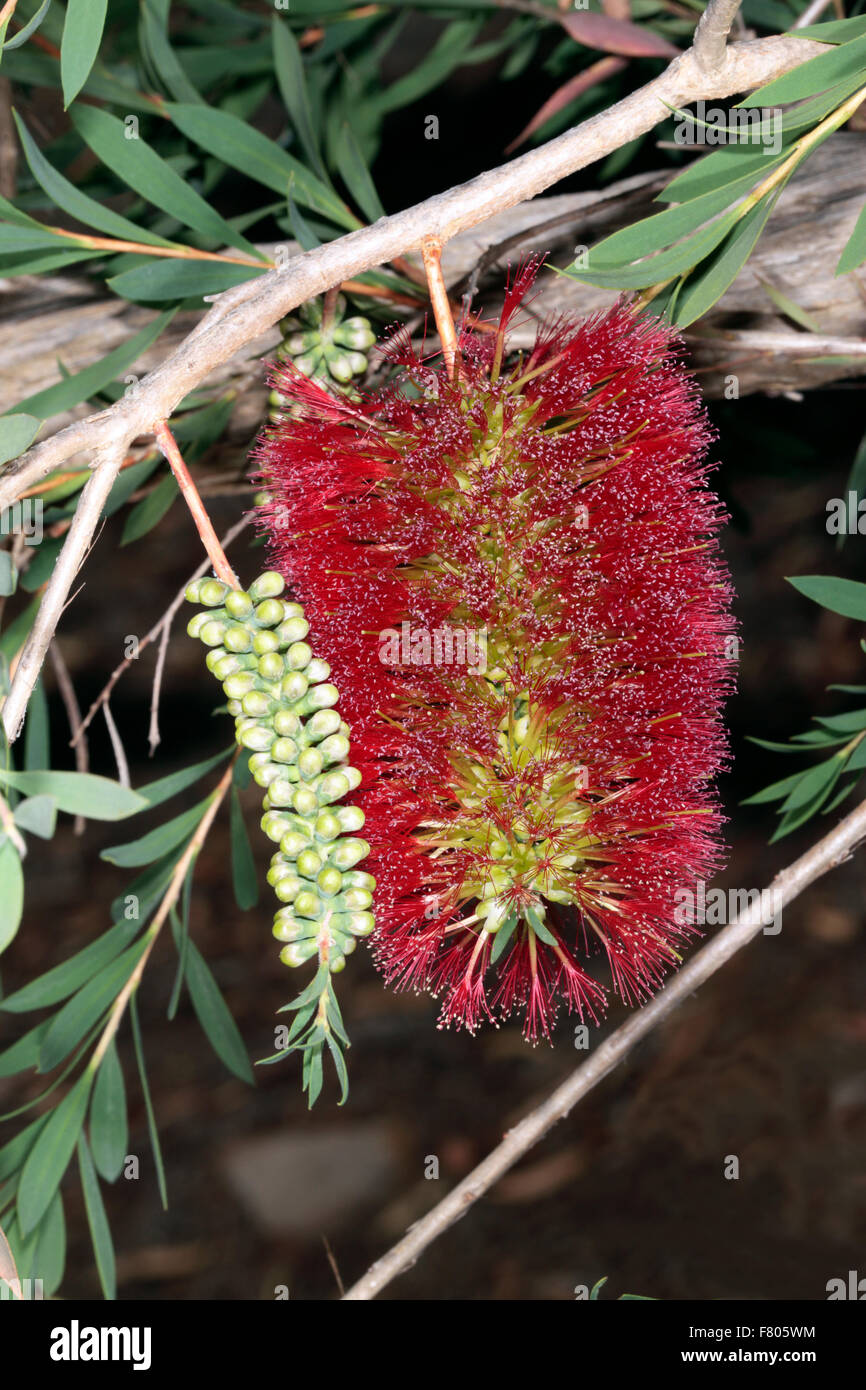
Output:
x,y
431,251
172,893
73,714
162,624
168,444
829,852
710,42
117,747
810,14
153,734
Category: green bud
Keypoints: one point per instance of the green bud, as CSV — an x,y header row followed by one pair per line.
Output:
x,y
351,818
310,763
327,827
308,904
346,853
268,772
282,792
292,843
237,639
340,366
332,787
294,686
192,592
227,665
238,605
211,633
270,666
197,622
298,952
286,723
287,888
298,656
356,899
268,585
322,697
234,707
238,685
318,670
275,826
212,593
309,863
334,749
265,641
330,881
269,612
356,878
352,776
213,657
284,750
258,739
258,704
305,801
323,722
292,630
361,923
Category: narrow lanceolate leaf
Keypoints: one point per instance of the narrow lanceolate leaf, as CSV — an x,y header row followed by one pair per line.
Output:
x,y
854,252
38,814
214,1016
66,978
50,1155
100,1232
82,34
24,1054
165,788
11,893
30,27
814,76
356,176
706,288
86,1007
240,146
157,842
17,433
79,205
78,793
292,83
49,1260
244,876
139,166
81,385
844,596
600,31
150,511
158,281
108,1121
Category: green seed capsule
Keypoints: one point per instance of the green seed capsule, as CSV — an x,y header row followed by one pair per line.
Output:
x,y
212,593
265,641
323,723
318,670
351,818
327,827
329,881
309,863
334,748
346,853
237,639
299,951
305,801
212,633
310,763
269,612
284,750
258,738
238,605
268,585
286,723
294,686
271,666
298,656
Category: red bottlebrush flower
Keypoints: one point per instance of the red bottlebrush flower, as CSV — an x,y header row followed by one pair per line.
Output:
x,y
514,577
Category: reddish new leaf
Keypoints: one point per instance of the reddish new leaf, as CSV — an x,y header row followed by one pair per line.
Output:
x,y
616,36
568,92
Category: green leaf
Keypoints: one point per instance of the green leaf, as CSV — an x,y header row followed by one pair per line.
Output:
x,y
78,793
81,385
843,596
292,83
152,1130
150,510
244,877
154,793
50,1155
139,166
834,31
11,893
790,308
100,1232
24,1054
356,176
163,59
82,35
850,723
64,979
214,1016
182,279
854,251
240,146
29,28
79,205
16,633
158,842
86,1007
703,291
37,755
38,814
49,1261
814,786
13,1154
816,75
109,1130
18,433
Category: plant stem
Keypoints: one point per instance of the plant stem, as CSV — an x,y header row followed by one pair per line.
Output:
x,y
431,250
168,444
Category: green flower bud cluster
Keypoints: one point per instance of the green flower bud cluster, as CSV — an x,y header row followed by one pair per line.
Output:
x,y
285,715
334,352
